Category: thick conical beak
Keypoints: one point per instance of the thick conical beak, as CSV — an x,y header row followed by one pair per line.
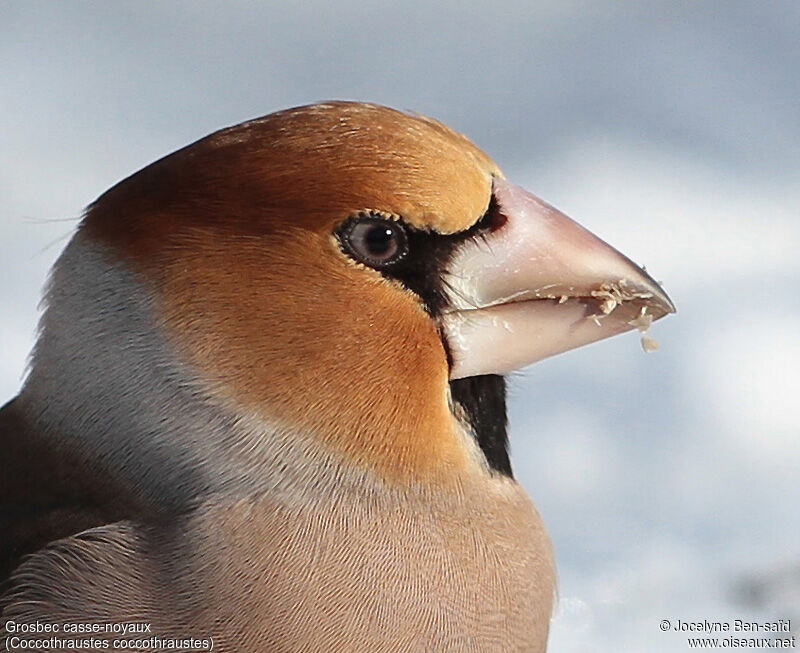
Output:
x,y
538,285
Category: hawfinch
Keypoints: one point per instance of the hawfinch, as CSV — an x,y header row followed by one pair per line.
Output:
x,y
266,410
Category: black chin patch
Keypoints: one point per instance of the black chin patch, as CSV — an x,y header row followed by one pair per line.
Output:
x,y
483,400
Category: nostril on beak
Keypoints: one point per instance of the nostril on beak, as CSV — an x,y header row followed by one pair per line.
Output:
x,y
494,219
498,220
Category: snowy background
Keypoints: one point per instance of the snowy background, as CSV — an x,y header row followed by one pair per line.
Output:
x,y
669,481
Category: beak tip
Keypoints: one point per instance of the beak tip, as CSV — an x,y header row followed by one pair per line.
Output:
x,y
660,303
665,304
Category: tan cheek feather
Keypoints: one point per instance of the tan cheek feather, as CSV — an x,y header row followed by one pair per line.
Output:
x,y
300,336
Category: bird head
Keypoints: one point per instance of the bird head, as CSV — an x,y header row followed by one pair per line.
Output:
x,y
360,276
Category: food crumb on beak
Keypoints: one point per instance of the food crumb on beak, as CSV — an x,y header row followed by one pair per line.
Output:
x,y
649,345
642,322
608,305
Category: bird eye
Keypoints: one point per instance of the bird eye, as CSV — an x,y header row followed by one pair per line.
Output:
x,y
376,242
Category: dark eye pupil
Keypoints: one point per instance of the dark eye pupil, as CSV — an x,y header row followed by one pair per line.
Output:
x,y
374,240
379,240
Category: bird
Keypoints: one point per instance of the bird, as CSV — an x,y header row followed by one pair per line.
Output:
x,y
266,409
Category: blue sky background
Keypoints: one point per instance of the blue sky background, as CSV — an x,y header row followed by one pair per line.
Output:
x,y
669,481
